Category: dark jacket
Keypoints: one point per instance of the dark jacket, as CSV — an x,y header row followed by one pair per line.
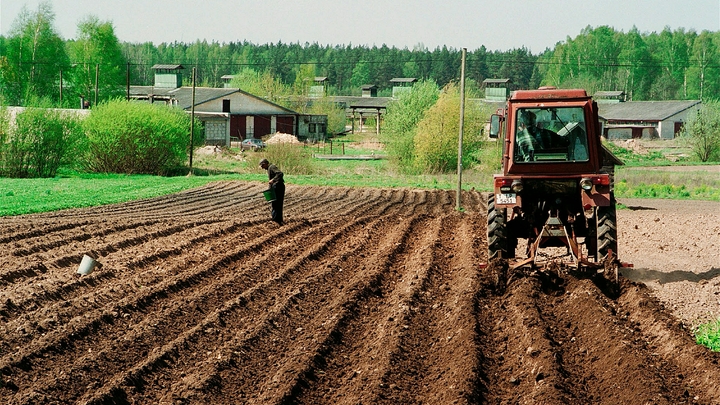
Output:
x,y
275,175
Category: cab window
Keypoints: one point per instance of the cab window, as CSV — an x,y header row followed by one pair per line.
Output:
x,y
550,135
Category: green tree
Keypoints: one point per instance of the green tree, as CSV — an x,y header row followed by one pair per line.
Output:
x,y
35,56
304,78
336,114
261,84
436,135
672,52
702,132
636,66
141,58
97,50
402,117
704,55
361,75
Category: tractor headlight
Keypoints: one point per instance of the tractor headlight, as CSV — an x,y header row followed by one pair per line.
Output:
x,y
586,183
517,186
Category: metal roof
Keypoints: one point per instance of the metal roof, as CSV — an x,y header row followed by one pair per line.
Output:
x,y
495,81
362,102
617,93
403,80
644,110
183,95
168,67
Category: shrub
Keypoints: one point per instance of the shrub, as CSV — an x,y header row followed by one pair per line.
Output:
x,y
290,158
41,140
436,137
335,115
136,138
402,118
702,132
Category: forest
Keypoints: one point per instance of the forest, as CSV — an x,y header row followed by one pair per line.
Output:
x,y
37,64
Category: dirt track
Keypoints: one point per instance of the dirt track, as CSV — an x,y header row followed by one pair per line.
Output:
x,y
363,297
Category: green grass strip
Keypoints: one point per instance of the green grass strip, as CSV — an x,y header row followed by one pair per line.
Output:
x,y
25,196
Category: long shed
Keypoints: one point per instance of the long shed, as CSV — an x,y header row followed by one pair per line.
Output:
x,y
645,119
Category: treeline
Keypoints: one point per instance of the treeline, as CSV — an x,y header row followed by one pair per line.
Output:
x,y
35,63
347,68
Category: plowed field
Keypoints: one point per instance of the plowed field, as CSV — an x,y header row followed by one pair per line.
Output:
x,y
364,296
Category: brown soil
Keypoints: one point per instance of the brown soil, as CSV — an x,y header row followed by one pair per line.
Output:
x,y
364,296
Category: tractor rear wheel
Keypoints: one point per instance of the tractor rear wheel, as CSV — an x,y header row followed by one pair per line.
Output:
x,y
497,235
607,230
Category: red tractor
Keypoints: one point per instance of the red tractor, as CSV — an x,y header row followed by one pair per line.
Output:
x,y
556,189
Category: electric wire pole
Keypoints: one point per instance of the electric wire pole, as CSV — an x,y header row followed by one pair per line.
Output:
x,y
460,135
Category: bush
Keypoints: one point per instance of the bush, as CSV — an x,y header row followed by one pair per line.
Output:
x,y
335,115
289,158
136,138
41,140
402,118
702,132
436,137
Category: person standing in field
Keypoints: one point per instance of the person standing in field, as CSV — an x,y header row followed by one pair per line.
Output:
x,y
276,183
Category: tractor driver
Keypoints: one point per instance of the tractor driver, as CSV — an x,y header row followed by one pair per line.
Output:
x,y
525,142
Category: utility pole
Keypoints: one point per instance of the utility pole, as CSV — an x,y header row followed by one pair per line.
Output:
x,y
460,137
192,121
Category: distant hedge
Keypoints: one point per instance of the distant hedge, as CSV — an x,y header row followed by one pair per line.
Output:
x,y
136,138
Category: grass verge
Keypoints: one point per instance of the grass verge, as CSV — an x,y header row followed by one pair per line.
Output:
x,y
688,183
26,196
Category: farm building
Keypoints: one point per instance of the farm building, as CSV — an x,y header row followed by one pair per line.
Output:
x,y
228,114
644,119
369,105
401,85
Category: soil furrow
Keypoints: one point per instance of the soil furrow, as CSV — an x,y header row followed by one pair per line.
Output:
x,y
231,352
115,311
66,258
87,323
438,363
362,345
70,285
525,368
320,322
296,326
591,345
158,323
261,302
363,296
668,341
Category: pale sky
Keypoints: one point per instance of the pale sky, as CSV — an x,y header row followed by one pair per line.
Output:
x,y
496,24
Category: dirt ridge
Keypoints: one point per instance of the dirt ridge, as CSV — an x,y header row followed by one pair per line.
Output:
x,y
363,296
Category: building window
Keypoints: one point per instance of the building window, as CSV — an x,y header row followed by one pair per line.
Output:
x,y
311,128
